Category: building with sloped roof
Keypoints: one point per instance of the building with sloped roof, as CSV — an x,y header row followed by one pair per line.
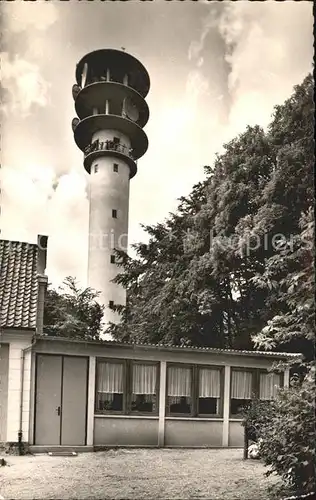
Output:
x,y
22,290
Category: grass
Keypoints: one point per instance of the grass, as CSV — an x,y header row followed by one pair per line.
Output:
x,y
136,474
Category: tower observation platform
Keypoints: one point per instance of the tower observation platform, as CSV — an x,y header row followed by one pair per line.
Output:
x,y
109,95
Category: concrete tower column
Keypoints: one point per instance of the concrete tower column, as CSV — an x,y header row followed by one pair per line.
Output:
x,y
110,104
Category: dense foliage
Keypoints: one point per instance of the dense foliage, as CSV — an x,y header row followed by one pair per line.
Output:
x,y
286,429
72,312
232,263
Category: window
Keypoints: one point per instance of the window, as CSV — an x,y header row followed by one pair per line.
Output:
x,y
110,386
126,387
144,388
112,259
268,385
96,168
241,390
115,167
179,390
111,304
114,214
116,140
209,391
194,390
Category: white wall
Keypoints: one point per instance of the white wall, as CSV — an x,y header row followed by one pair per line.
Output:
x,y
18,342
108,190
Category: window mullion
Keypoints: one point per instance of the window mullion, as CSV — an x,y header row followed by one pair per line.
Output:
x,y
195,390
127,396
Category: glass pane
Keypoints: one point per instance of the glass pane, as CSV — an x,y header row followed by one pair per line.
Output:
x,y
109,401
180,404
209,383
179,382
209,406
144,378
144,403
269,384
241,385
236,405
110,385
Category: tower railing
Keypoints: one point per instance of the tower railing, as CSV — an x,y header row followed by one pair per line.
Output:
x,y
109,146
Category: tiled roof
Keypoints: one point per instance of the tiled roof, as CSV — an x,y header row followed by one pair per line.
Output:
x,y
214,350
18,284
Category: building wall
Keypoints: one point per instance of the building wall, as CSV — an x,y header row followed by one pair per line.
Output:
x,y
193,432
161,430
17,340
4,368
128,431
236,434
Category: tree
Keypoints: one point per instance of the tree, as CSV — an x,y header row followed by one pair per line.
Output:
x,y
198,279
73,312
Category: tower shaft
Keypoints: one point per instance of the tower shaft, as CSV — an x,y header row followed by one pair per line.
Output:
x,y
109,100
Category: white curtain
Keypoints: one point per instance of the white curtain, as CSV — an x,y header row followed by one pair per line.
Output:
x,y
209,383
144,379
110,378
269,384
241,385
179,381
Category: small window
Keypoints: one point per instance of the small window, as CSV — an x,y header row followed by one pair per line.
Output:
x,y
116,140
111,304
115,167
144,384
179,390
114,213
110,386
112,259
96,168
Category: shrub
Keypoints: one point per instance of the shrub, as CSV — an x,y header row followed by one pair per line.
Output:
x,y
287,430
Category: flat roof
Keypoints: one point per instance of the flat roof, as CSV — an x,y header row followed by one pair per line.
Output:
x,y
173,348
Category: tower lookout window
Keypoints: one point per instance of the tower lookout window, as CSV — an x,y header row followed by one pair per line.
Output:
x,y
114,213
115,167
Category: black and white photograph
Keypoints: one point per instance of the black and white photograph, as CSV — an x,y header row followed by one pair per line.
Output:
x,y
157,311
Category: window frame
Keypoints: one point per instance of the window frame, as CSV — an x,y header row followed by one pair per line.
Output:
x,y
221,397
127,386
130,387
114,361
195,391
255,385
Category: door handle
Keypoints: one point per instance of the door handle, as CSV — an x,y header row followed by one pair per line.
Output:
x,y
58,410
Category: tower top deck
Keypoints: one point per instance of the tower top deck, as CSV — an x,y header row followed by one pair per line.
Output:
x,y
117,60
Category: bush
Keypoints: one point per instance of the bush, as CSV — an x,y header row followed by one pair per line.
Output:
x,y
287,430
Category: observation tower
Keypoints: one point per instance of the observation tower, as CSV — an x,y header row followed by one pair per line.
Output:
x,y
111,112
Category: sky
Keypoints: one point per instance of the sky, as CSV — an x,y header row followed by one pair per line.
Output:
x,y
215,67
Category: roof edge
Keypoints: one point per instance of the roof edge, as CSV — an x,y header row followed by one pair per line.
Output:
x,y
133,345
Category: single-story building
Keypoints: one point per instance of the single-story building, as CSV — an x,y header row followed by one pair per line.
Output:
x,y
57,392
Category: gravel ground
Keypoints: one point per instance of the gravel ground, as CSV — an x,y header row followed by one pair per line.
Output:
x,y
136,474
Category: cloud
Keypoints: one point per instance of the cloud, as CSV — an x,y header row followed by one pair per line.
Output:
x,y
24,86
21,16
265,53
35,202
